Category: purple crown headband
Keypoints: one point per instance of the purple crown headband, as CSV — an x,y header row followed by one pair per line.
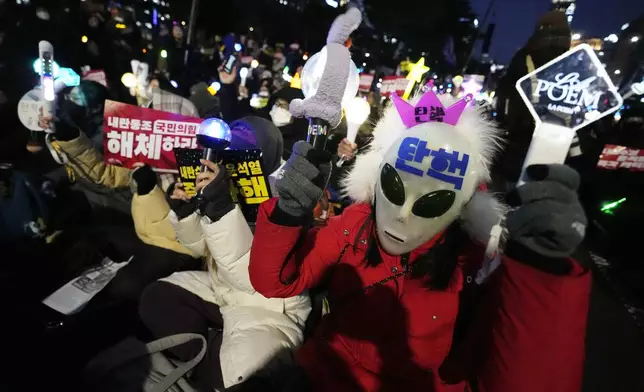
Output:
x,y
429,108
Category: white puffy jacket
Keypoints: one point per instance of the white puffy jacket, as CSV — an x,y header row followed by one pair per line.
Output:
x,y
256,329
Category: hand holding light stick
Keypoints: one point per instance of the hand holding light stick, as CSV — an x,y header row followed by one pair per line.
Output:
x,y
243,74
46,57
356,111
213,135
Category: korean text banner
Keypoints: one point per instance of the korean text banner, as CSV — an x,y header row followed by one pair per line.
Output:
x,y
393,84
615,157
248,180
134,134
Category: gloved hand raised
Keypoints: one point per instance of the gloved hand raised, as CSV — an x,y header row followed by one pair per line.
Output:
x,y
217,201
302,180
179,201
549,223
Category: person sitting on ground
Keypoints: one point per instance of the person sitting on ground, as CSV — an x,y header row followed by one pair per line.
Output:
x,y
248,335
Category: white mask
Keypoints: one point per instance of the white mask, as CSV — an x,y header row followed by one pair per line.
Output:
x,y
280,116
413,203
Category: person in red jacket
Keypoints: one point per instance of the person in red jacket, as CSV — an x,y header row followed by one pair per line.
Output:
x,y
415,303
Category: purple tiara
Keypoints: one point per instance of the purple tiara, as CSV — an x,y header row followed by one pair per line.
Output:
x,y
429,109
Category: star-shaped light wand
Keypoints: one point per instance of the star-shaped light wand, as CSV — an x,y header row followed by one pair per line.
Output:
x,y
415,75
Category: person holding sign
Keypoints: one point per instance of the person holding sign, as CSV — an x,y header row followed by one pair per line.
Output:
x,y
416,301
257,332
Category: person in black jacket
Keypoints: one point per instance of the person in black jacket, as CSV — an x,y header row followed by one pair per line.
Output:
x,y
550,39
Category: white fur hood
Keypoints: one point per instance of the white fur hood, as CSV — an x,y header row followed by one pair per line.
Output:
x,y
482,212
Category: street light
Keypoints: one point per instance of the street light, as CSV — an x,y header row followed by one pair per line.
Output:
x,y
617,72
625,26
612,38
576,36
635,39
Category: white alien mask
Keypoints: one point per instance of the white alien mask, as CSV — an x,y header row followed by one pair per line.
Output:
x,y
425,179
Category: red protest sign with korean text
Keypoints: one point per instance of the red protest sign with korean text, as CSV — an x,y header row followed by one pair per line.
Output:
x,y
366,80
97,75
615,157
134,134
393,84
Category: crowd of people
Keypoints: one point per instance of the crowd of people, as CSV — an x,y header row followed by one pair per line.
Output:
x,y
380,275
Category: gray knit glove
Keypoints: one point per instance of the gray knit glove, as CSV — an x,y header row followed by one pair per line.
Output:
x,y
549,221
301,181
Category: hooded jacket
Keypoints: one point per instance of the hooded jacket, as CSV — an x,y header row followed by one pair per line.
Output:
x,y
257,330
499,324
400,335
109,186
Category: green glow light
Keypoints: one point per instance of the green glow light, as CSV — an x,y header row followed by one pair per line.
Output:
x,y
608,208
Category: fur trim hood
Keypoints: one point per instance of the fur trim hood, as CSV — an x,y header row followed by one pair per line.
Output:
x,y
482,212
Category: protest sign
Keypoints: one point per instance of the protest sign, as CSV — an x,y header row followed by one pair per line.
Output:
x,y
75,294
29,109
615,157
249,185
366,80
393,84
133,134
96,75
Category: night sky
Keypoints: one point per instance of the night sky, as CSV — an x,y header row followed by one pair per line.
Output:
x,y
516,20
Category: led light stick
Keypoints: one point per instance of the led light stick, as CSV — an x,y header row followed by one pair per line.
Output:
x,y
46,57
415,75
213,135
566,94
356,111
311,76
243,74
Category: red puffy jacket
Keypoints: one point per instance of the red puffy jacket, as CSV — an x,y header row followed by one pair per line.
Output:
x,y
525,333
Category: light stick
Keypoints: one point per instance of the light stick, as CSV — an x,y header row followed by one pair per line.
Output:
x,y
46,57
565,95
415,75
243,74
311,76
357,110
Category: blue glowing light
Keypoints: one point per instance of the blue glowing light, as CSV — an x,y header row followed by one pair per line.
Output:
x,y
155,17
238,47
174,84
38,65
68,76
215,128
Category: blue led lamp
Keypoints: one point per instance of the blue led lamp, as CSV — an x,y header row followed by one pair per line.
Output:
x,y
213,135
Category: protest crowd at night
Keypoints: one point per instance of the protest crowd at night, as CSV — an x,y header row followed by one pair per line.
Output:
x,y
321,195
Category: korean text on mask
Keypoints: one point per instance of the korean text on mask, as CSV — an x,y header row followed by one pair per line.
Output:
x,y
414,150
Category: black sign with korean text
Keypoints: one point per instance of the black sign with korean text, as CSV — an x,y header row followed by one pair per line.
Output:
x,y
249,185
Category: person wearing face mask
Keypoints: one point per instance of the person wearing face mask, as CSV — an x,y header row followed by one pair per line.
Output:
x,y
421,296
293,129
